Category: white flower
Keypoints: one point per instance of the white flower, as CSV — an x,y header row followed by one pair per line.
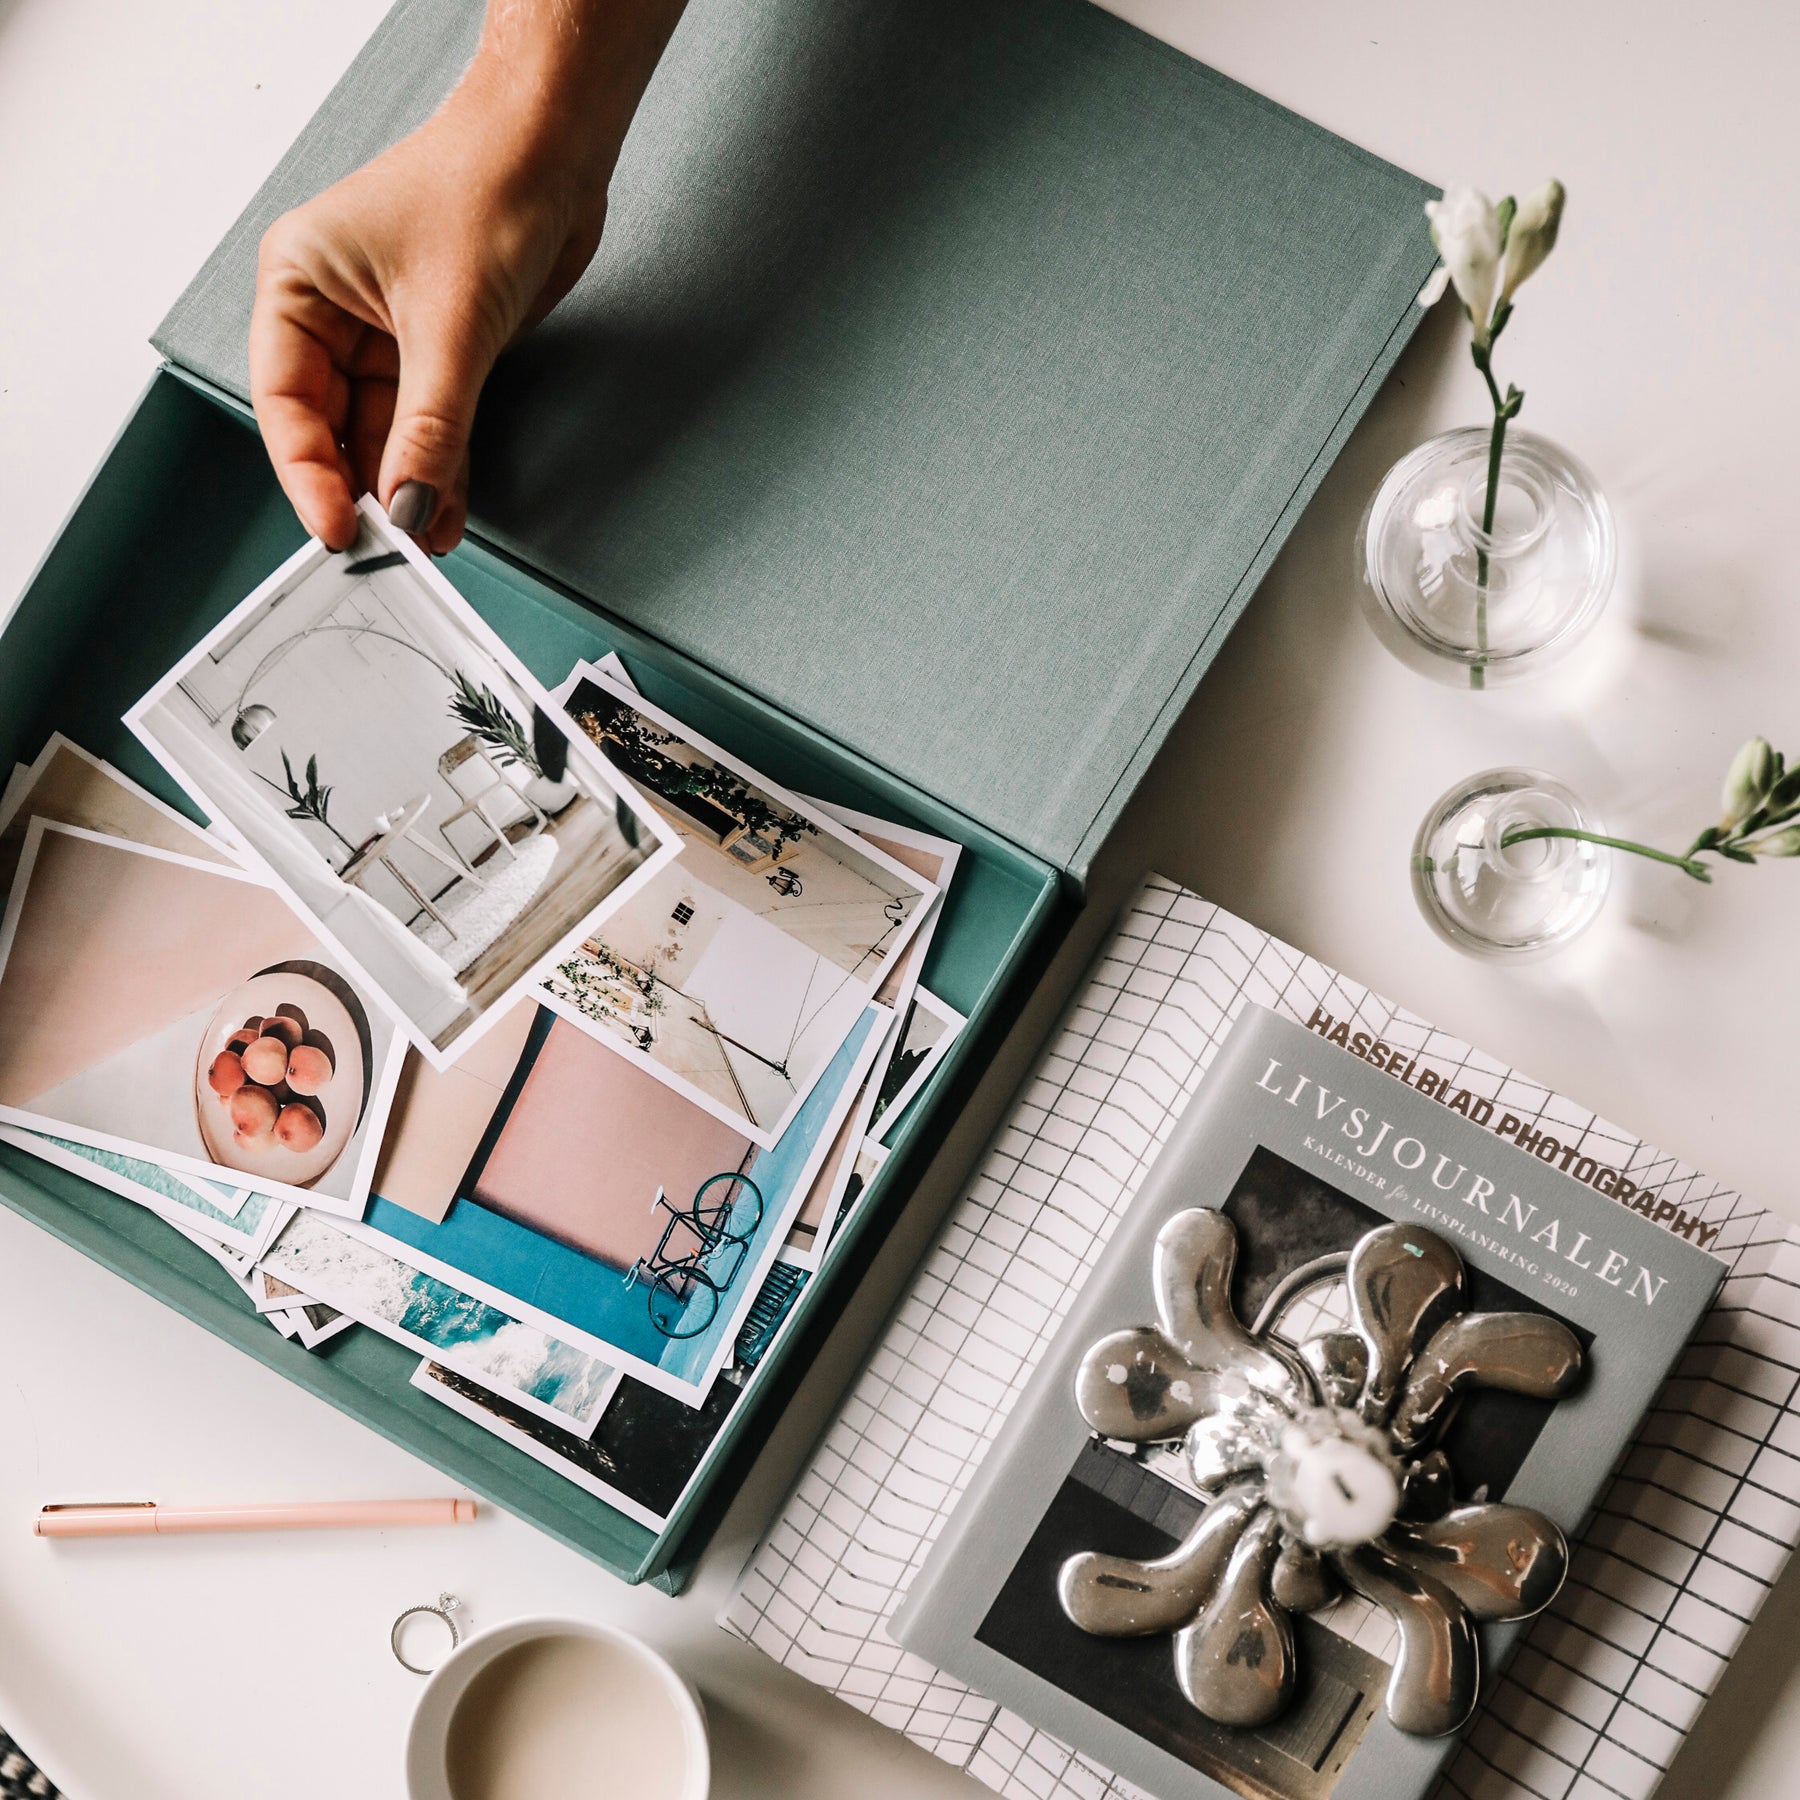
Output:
x,y
1466,230
1532,237
1777,843
1746,782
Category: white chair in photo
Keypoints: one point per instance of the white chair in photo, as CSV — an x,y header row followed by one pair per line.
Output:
x,y
377,852
485,793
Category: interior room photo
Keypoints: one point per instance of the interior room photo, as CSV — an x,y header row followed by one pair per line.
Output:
x,y
588,1189
738,971
731,1008
388,771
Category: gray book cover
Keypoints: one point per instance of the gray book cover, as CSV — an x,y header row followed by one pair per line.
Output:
x,y
1318,1241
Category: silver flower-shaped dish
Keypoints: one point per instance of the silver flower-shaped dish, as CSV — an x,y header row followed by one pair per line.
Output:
x,y
1320,1472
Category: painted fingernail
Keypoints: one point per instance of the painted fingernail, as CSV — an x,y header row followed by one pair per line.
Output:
x,y
412,506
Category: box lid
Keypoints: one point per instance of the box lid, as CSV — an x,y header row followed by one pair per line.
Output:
x,y
949,375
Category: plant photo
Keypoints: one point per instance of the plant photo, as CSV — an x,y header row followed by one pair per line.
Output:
x,y
736,973
403,779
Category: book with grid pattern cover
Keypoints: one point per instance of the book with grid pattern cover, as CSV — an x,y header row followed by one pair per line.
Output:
x,y
1297,1154
1690,1533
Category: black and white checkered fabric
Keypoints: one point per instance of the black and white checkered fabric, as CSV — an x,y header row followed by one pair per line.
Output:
x,y
20,1777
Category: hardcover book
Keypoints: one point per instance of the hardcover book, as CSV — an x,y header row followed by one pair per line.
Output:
x,y
1310,1443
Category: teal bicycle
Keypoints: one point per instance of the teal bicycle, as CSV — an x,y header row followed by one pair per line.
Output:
x,y
700,1253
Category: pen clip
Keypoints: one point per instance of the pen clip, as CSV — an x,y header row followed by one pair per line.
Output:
x,y
96,1506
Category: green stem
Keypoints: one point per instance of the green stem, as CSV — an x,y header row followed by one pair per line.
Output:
x,y
1687,864
1496,445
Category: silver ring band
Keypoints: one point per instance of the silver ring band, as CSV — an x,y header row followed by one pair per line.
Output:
x,y
447,1604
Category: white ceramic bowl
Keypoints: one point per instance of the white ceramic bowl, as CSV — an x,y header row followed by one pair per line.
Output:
x,y
426,1775
341,1099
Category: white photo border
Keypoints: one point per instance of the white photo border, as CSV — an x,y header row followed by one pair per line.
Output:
x,y
765,1137
750,1276
954,1022
18,795
509,1434
195,1227
383,1079
386,1328
667,845
810,1256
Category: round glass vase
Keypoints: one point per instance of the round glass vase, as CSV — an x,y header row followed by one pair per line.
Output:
x,y
1491,891
1473,601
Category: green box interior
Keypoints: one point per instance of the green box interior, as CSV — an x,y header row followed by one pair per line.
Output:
x,y
182,519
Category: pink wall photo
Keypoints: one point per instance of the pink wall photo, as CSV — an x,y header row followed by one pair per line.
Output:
x,y
589,1142
114,945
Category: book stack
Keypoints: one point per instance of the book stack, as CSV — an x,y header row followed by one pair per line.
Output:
x,y
968,1432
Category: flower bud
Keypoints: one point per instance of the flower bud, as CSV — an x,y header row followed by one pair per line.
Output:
x,y
1747,781
1433,290
1777,843
1466,230
1533,235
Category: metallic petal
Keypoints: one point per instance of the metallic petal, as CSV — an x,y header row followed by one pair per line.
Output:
x,y
1228,1444
1230,1590
1522,1353
1117,1596
1236,1661
1438,1671
1139,1388
1302,1580
1191,1274
1403,1284
1340,1364
1501,1562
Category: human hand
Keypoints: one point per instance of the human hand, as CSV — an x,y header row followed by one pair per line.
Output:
x,y
382,304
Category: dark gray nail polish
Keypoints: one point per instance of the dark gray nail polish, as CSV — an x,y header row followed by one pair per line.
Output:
x,y
412,506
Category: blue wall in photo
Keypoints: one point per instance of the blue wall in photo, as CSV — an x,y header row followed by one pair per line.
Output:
x,y
591,1296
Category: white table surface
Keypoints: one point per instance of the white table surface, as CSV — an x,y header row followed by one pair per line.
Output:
x,y
1659,345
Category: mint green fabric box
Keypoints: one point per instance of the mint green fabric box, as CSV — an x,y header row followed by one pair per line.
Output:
x,y
952,372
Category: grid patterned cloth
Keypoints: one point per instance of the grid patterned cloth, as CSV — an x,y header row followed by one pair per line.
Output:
x,y
20,1777
1688,1537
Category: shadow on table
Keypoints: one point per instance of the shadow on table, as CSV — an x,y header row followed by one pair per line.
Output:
x,y
40,1690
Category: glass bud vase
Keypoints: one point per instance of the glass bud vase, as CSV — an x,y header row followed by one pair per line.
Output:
x,y
1474,604
1492,892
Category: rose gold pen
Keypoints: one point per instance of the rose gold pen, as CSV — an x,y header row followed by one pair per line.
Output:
x,y
144,1518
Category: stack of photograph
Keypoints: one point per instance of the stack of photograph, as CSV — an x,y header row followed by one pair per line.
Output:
x,y
528,1029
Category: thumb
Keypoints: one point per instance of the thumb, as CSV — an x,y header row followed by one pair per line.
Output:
x,y
443,362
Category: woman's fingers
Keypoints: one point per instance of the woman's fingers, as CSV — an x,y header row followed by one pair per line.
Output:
x,y
452,515
374,379
446,351
340,415
299,345
314,473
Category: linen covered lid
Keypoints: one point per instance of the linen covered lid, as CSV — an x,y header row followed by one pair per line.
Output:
x,y
949,375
